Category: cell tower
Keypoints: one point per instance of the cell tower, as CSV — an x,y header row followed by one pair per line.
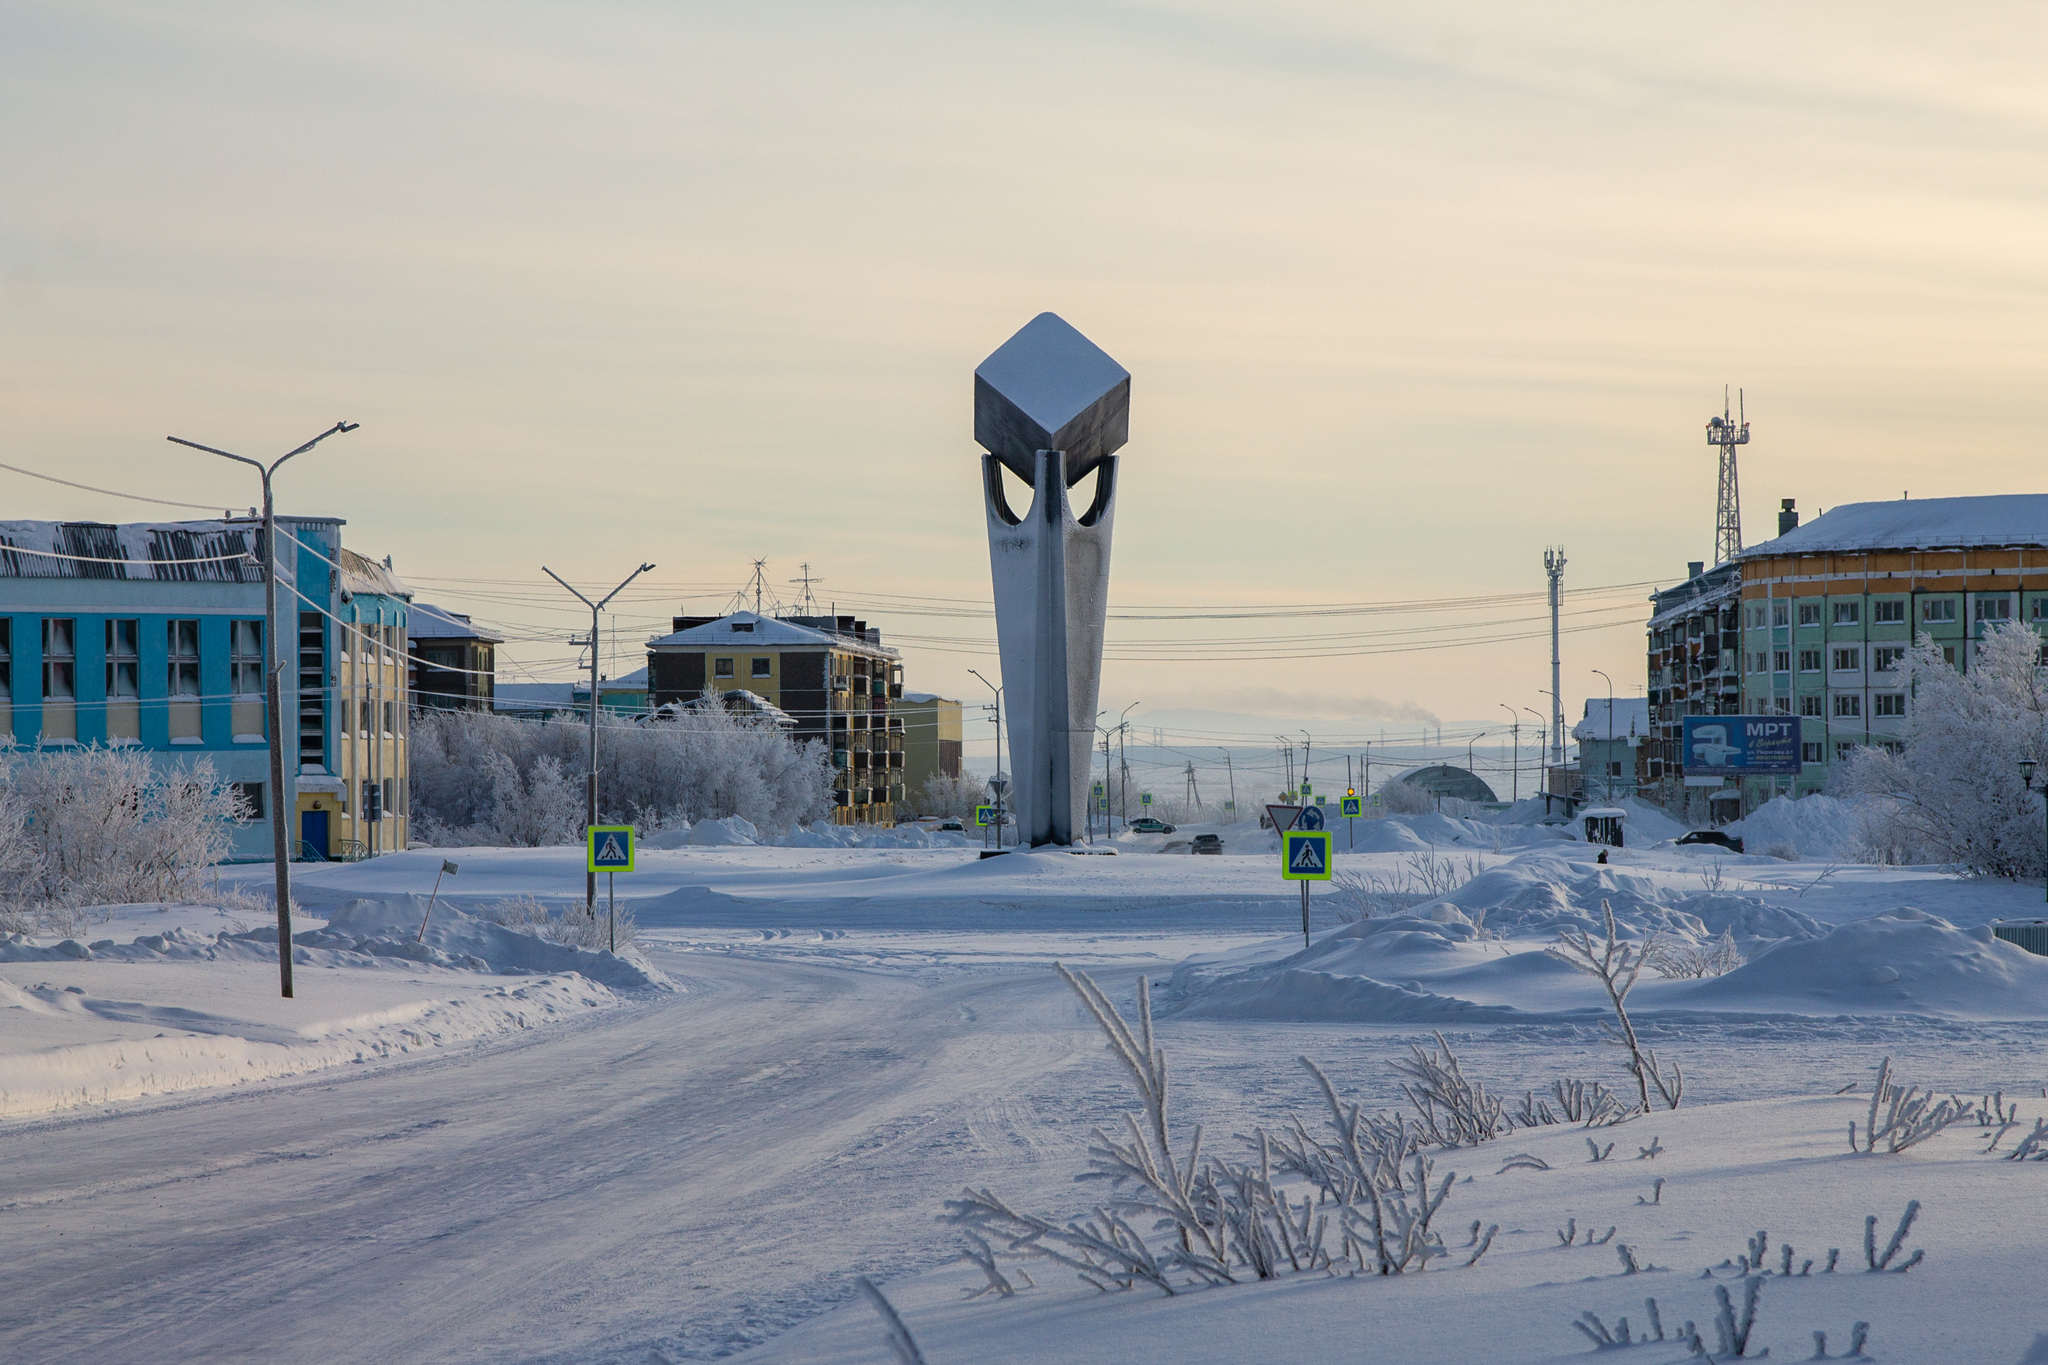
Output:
x,y
1728,434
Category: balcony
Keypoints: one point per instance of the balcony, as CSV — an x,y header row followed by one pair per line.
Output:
x,y
840,683
895,760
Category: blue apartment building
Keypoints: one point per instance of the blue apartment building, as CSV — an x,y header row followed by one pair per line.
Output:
x,y
152,635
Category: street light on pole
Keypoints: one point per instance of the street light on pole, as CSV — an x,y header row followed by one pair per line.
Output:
x,y
1468,751
1001,783
1515,748
1607,759
1232,770
590,878
280,849
1123,761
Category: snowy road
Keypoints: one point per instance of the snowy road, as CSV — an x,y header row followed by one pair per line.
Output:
x,y
677,1179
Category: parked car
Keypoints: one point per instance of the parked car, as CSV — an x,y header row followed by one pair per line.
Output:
x,y
953,826
1209,843
1712,836
1150,826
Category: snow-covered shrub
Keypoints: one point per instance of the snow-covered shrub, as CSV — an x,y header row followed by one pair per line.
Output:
x,y
575,926
1405,798
1903,1118
1455,1112
953,797
106,826
1691,961
1956,785
1618,964
479,778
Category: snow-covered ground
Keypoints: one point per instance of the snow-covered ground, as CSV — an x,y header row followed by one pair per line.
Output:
x,y
672,1174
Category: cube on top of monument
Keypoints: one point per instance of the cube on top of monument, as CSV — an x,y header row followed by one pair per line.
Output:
x,y
1050,388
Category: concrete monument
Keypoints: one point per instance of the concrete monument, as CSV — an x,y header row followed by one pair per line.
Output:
x,y
1052,407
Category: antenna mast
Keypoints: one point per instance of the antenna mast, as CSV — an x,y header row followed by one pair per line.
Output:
x,y
810,601
1727,434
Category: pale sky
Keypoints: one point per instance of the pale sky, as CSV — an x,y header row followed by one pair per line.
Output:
x,y
1407,293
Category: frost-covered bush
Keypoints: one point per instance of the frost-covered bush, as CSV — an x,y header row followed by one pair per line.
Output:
x,y
485,779
954,797
1955,789
1405,798
575,925
100,826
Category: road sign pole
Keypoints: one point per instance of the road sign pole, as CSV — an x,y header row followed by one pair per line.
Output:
x,y
611,906
1304,914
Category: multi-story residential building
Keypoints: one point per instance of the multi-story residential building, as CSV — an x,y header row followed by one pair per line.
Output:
x,y
452,665
1829,609
931,740
1694,669
830,674
152,635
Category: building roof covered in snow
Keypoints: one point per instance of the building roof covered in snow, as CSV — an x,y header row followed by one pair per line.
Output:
x,y
1917,524
1630,720
217,551
1447,779
361,575
428,622
750,630
1715,588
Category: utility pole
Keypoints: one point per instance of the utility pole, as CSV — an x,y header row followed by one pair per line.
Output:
x,y
280,804
590,878
1233,782
1194,790
1515,726
1606,782
1553,565
1002,784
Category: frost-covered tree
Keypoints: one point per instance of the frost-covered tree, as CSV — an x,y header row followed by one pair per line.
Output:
x,y
485,779
100,826
951,796
1955,790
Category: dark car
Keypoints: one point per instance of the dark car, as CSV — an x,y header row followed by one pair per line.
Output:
x,y
1712,836
952,826
1150,826
1209,843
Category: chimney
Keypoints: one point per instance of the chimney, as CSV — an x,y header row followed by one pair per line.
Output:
x,y
1788,520
1695,567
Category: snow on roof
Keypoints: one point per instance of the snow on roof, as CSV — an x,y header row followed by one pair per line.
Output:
x,y
748,630
216,551
1917,524
361,575
428,622
921,697
1631,720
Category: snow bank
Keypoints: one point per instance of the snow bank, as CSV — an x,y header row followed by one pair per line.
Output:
x,y
1819,828
210,1050
823,834
1902,961
359,934
732,830
385,927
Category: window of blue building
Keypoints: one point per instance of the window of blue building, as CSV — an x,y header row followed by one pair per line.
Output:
x,y
124,680
245,649
182,681
60,678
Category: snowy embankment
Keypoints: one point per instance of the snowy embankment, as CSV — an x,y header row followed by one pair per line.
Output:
x,y
1477,954
1722,1176
189,1005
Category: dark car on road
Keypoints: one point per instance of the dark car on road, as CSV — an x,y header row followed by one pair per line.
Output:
x,y
1209,843
1150,826
1712,836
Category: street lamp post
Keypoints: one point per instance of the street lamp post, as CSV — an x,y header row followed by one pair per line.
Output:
x,y
2027,776
1002,787
1123,762
1607,759
280,849
1468,751
590,878
1231,768
1515,748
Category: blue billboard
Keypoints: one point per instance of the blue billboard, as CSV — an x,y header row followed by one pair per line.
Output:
x,y
1741,746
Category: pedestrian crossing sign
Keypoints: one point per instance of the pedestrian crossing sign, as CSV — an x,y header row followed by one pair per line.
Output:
x,y
1352,808
1305,855
984,816
610,848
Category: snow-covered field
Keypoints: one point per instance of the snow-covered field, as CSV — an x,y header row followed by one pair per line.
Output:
x,y
480,1151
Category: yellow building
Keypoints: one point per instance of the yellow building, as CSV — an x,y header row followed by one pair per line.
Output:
x,y
931,741
829,679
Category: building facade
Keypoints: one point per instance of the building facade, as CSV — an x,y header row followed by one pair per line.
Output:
x,y
1829,609
1694,670
931,741
830,674
153,635
1608,735
452,665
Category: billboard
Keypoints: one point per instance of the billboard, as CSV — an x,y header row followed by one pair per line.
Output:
x,y
1741,746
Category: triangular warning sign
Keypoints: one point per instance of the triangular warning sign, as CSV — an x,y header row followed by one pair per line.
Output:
x,y
1308,855
612,853
1282,816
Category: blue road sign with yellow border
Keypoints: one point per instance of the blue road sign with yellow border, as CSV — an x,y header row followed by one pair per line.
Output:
x,y
610,848
1305,855
984,816
1353,808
